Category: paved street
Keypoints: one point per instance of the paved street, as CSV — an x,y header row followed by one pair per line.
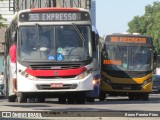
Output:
x,y
112,108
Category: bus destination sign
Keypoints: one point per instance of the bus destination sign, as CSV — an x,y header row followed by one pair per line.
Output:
x,y
51,16
128,39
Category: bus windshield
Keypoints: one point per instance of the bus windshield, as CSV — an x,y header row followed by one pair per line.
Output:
x,y
56,43
127,58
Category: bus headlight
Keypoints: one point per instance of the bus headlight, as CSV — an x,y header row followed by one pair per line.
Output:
x,y
31,77
96,79
26,75
147,81
84,74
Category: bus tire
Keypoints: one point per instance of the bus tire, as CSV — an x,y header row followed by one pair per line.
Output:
x,y
21,97
145,97
71,100
89,99
80,98
12,98
102,96
131,97
62,100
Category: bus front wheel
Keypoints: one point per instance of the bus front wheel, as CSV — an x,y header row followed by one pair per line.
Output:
x,y
80,98
89,99
102,96
12,98
131,97
145,97
62,99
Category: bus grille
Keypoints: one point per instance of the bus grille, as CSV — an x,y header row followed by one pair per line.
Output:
x,y
125,74
48,87
126,86
55,67
55,77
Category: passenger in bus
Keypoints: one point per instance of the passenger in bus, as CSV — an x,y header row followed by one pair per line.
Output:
x,y
138,59
41,48
142,62
28,44
26,48
12,53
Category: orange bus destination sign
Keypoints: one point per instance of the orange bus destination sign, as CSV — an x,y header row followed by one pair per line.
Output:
x,y
128,39
115,62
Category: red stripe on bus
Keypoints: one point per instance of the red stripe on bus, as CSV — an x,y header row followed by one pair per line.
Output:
x,y
68,72
53,9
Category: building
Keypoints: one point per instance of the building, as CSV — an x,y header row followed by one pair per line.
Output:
x,y
8,15
4,11
93,12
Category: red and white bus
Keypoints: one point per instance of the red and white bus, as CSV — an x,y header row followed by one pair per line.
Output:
x,y
55,49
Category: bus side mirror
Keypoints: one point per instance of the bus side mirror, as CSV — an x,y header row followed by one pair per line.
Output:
x,y
155,56
14,36
93,41
97,38
155,59
104,47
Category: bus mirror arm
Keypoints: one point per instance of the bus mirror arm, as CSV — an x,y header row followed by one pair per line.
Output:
x,y
155,56
93,41
96,39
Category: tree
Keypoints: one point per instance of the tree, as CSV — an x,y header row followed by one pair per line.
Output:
x,y
1,21
148,24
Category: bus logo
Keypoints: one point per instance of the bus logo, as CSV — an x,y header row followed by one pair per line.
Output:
x,y
55,73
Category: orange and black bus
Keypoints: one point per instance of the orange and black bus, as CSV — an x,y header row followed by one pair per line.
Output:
x,y
127,66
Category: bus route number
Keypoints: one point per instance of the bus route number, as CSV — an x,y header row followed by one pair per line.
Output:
x,y
33,17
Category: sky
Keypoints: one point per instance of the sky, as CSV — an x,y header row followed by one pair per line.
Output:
x,y
112,16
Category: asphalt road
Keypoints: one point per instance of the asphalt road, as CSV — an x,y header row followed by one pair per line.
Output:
x,y
112,108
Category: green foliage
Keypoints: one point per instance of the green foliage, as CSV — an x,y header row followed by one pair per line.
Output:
x,y
148,24
2,19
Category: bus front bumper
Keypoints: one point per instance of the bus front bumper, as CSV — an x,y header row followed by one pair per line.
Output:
x,y
122,88
55,85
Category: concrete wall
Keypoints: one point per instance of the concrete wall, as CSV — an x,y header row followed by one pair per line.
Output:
x,y
4,11
93,12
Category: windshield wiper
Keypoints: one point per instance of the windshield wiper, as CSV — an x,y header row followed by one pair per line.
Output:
x,y
79,33
118,48
138,49
39,31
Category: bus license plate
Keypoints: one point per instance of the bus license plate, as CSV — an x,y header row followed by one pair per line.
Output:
x,y
127,88
57,85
